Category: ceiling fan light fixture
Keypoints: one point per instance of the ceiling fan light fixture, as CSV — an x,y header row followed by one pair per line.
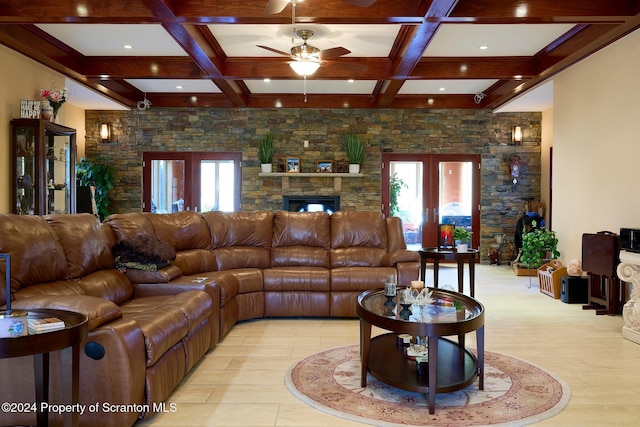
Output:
x,y
304,68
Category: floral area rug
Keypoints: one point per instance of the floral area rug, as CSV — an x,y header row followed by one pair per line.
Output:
x,y
515,393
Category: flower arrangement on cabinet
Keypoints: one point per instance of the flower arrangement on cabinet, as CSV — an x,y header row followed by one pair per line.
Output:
x,y
55,97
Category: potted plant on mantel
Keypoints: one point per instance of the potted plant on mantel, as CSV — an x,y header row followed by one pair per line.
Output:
x,y
265,152
354,146
462,237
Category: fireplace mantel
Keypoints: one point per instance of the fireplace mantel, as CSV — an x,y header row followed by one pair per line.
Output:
x,y
337,177
629,271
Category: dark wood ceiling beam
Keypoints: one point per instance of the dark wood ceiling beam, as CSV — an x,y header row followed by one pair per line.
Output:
x,y
591,39
411,55
198,53
26,40
554,9
141,67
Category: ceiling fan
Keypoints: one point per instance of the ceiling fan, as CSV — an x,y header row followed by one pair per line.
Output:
x,y
307,59
277,6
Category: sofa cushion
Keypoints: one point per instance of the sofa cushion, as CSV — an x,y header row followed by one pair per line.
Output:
x,y
358,239
301,239
27,239
165,320
184,230
86,242
241,239
130,225
97,310
111,285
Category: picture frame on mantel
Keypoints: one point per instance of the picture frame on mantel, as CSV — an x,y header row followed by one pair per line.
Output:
x,y
324,166
293,165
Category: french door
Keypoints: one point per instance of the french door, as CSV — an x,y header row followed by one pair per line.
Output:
x,y
199,181
426,190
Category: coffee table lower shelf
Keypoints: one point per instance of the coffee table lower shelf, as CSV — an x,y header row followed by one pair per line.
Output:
x,y
457,367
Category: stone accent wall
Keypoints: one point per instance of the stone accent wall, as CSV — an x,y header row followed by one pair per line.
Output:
x,y
384,130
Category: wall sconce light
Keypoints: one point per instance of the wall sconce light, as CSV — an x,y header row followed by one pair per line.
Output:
x,y
105,132
516,135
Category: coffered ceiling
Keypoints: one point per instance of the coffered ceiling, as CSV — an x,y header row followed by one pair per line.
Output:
x,y
401,53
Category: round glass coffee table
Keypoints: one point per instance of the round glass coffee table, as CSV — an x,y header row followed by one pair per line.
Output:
x,y
451,366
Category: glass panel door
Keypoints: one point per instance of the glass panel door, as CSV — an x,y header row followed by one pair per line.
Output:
x,y
455,193
177,181
167,186
406,192
427,190
217,185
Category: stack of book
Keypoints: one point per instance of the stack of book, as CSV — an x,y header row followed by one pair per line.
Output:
x,y
47,324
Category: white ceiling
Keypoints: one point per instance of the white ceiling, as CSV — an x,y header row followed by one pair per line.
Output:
x,y
241,40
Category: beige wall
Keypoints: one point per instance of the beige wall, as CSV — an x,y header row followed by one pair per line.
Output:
x,y
596,145
22,78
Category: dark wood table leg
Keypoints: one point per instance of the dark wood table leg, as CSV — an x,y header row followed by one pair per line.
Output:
x,y
460,276
472,277
70,361
433,370
365,341
480,348
423,269
436,268
41,374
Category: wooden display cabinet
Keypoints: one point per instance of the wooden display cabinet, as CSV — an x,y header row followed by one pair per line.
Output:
x,y
44,167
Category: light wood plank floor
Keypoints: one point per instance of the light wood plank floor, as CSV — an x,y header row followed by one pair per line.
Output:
x,y
240,382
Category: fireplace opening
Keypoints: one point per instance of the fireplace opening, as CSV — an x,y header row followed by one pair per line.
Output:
x,y
328,204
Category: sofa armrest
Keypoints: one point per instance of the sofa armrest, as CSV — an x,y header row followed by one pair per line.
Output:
x,y
163,275
401,255
98,311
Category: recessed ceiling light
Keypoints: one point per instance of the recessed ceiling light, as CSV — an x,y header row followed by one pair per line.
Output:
x,y
430,101
521,11
441,89
266,80
178,87
194,99
484,47
517,77
278,104
127,46
463,68
350,80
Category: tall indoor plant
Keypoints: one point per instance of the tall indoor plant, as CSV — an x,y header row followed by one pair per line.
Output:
x,y
354,146
96,172
265,152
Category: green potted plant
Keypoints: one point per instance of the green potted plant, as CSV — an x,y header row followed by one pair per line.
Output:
x,y
265,152
538,246
95,172
462,237
354,146
396,184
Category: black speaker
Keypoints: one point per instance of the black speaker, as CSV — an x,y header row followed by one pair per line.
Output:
x,y
574,290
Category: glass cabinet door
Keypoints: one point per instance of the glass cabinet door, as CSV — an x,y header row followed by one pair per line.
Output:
x,y
44,167
25,170
58,172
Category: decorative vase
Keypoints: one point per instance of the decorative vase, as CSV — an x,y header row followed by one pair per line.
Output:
x,y
462,247
266,168
46,112
354,168
56,110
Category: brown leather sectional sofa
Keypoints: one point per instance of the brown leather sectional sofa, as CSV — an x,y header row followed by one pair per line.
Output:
x,y
155,325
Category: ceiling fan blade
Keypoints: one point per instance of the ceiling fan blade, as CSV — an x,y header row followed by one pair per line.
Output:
x,y
361,3
279,52
275,6
334,52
